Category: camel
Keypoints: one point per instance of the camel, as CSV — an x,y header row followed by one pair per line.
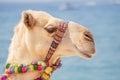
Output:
x,y
33,36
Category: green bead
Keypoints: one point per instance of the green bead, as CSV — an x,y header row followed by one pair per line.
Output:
x,y
29,64
7,65
24,64
19,69
35,67
16,65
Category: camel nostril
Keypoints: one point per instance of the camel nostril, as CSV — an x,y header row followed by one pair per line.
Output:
x,y
88,36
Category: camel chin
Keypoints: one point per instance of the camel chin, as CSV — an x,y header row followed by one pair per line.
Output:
x,y
85,54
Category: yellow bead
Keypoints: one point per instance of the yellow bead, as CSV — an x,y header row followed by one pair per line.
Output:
x,y
26,64
16,70
31,68
38,62
43,64
11,65
18,65
45,76
48,70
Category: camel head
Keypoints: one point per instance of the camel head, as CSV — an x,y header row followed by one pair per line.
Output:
x,y
35,33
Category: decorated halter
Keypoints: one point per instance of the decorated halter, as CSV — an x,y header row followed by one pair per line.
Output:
x,y
40,65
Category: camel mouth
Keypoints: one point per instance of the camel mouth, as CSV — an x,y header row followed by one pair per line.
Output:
x,y
84,53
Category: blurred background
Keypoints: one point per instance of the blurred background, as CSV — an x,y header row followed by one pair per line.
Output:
x,y
101,17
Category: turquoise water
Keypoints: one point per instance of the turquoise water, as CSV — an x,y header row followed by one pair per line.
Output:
x,y
102,20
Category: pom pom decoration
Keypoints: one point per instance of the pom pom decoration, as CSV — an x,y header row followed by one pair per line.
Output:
x,y
23,68
4,77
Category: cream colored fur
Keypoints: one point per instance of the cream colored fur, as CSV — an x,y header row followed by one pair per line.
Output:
x,y
31,41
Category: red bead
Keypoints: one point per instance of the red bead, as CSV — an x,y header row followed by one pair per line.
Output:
x,y
23,70
39,67
37,79
8,71
33,63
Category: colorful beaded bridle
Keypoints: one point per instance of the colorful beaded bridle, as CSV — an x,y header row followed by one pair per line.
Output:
x,y
40,65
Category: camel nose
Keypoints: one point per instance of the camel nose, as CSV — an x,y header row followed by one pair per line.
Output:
x,y
88,36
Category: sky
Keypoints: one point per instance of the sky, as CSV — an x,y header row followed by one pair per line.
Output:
x,y
83,1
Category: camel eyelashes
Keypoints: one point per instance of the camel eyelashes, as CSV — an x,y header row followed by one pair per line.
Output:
x,y
51,30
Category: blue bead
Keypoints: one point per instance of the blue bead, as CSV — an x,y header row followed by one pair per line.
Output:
x,y
59,65
43,67
12,69
26,68
41,78
35,62
21,65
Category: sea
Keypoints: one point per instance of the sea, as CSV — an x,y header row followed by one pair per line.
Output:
x,y
102,20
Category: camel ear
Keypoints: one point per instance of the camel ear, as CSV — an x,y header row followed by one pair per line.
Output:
x,y
28,20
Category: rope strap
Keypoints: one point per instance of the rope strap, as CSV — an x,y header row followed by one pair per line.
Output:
x,y
57,39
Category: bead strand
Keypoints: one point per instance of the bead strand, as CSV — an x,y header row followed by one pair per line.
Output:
x,y
23,68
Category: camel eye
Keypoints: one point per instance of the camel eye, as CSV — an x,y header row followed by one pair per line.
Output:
x,y
51,30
